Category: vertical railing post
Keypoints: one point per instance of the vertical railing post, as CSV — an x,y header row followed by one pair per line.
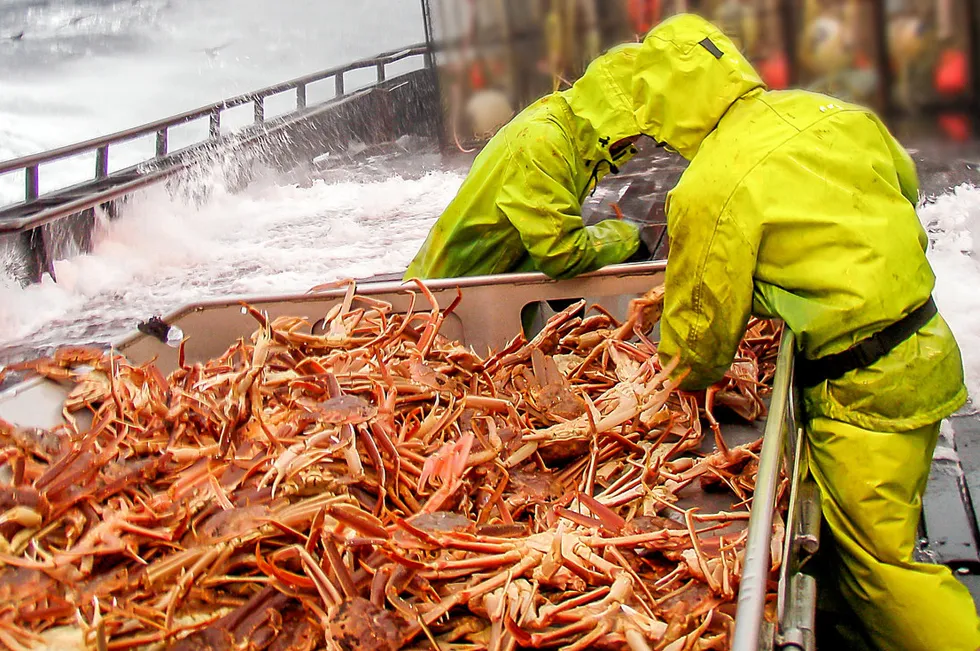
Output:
x,y
381,71
750,610
301,97
339,84
215,129
38,259
102,162
30,183
886,83
429,35
162,143
259,103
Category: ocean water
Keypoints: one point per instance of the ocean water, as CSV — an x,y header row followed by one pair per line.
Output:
x,y
167,251
75,69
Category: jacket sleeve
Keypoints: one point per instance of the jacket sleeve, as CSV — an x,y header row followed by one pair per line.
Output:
x,y
538,198
908,179
708,291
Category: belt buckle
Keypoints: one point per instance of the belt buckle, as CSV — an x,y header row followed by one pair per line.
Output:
x,y
870,351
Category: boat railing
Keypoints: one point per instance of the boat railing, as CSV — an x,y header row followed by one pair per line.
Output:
x,y
37,209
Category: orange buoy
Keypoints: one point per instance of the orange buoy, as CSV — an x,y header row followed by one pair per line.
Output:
x,y
862,62
952,72
477,80
775,71
956,126
643,14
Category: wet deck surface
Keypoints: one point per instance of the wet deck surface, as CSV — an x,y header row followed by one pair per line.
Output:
x,y
951,523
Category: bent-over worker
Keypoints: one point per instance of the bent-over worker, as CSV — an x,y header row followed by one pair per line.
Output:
x,y
798,206
520,207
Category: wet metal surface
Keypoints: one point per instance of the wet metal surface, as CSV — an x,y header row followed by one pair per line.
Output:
x,y
948,520
950,505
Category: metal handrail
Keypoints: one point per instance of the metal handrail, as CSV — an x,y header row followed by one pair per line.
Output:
x,y
126,185
750,611
31,163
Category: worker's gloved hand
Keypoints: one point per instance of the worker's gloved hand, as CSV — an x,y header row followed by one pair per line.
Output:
x,y
643,253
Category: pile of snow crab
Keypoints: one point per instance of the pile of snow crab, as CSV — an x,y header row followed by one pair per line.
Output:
x,y
370,484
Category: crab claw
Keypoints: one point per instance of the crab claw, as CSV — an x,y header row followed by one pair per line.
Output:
x,y
448,464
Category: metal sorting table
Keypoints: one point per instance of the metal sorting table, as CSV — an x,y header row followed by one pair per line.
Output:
x,y
489,316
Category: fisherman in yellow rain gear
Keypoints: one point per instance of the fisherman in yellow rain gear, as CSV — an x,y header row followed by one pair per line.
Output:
x,y
798,206
520,207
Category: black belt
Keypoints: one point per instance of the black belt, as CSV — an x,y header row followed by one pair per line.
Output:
x,y
811,372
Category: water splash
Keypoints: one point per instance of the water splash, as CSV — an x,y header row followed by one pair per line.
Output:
x,y
170,249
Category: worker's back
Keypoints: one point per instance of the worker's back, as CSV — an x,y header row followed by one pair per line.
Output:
x,y
813,183
797,206
472,237
824,197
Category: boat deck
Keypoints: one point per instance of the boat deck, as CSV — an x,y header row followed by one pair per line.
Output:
x,y
951,523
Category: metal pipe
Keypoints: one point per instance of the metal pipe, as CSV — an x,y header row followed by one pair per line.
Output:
x,y
102,162
301,97
794,461
162,142
259,112
429,40
755,573
381,72
30,183
152,127
799,623
339,85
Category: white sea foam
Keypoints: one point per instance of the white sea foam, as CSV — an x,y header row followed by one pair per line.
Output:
x,y
953,222
167,251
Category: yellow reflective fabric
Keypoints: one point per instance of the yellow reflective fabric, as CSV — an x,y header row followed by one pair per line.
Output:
x,y
799,206
871,486
520,206
682,87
